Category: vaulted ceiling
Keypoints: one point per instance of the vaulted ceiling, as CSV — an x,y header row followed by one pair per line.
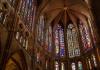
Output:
x,y
64,10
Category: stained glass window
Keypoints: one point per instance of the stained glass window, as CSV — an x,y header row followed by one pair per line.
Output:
x,y
62,66
73,66
85,36
59,41
72,40
89,62
20,39
56,42
94,60
61,35
38,56
56,65
80,66
24,42
41,29
26,46
17,35
49,39
27,12
46,64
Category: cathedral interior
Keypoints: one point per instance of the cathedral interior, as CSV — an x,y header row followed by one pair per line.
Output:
x,y
49,35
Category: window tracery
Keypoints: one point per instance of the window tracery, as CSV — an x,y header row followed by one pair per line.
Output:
x,y
59,41
85,36
72,41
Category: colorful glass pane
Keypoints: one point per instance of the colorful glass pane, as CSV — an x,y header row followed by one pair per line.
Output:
x,y
80,66
27,13
62,66
94,60
56,66
59,41
41,29
72,40
61,36
73,66
85,36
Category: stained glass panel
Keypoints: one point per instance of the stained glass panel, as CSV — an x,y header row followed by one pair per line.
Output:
x,y
73,66
56,65
61,36
85,36
72,41
62,66
27,13
41,29
17,35
80,66
59,41
94,60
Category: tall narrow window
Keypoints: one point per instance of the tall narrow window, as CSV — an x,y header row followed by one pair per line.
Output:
x,y
56,65
80,66
90,66
41,29
24,43
72,40
73,66
59,41
21,38
26,46
38,56
48,41
62,66
94,60
17,35
85,36
62,46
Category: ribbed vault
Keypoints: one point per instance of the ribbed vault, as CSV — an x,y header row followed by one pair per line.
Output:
x,y
65,10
